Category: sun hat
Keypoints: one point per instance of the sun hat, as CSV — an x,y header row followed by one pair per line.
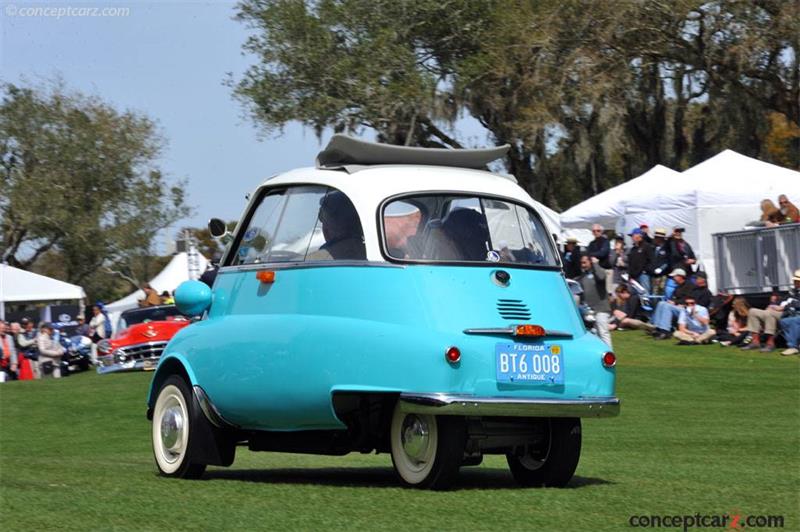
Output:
x,y
660,231
796,276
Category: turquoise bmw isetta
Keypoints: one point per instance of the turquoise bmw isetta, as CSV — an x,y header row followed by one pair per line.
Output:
x,y
392,299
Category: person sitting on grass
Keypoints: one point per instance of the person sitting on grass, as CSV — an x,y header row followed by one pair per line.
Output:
x,y
667,311
736,331
790,319
628,313
693,324
766,321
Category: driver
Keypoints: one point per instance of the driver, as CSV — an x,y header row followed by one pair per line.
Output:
x,y
344,238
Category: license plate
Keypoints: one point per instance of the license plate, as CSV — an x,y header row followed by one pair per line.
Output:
x,y
529,363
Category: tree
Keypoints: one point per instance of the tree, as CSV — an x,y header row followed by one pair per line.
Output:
x,y
80,185
587,94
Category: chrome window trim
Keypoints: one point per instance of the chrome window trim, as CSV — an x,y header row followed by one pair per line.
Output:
x,y
309,264
410,194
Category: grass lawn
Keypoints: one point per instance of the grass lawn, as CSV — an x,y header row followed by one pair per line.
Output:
x,y
703,429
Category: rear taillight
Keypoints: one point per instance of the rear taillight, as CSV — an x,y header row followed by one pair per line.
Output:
x,y
535,331
609,359
452,355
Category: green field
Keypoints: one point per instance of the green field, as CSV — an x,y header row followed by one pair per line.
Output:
x,y
703,429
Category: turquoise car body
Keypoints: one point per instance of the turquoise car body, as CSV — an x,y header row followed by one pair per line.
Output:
x,y
270,357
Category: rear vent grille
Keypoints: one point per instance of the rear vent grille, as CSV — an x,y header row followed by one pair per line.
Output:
x,y
513,309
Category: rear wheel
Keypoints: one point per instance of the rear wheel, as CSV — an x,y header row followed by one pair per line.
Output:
x,y
427,450
172,430
551,463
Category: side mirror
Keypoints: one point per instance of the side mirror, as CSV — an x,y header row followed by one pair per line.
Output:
x,y
193,298
217,228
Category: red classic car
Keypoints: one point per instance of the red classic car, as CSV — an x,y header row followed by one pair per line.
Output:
x,y
141,336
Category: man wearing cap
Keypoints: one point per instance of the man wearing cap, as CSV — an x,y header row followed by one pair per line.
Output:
x,y
640,259
681,254
599,248
660,260
646,233
669,310
571,258
790,320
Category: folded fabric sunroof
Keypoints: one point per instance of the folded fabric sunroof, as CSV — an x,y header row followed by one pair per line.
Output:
x,y
344,151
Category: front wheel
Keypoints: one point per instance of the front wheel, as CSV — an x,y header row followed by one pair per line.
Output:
x,y
173,430
427,450
552,462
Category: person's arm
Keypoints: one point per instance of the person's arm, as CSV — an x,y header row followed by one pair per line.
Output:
x,y
25,342
599,271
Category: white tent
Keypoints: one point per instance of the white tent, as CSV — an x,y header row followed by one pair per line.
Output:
x,y
18,286
718,195
179,269
609,206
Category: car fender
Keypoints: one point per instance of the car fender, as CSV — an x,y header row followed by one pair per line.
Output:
x,y
170,364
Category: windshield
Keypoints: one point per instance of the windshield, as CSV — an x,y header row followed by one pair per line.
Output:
x,y
144,315
456,228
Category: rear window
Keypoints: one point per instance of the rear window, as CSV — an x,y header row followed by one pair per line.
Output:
x,y
456,228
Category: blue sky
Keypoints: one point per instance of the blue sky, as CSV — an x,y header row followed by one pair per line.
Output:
x,y
168,60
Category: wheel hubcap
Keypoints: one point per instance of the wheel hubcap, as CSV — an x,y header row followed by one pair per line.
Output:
x,y
416,437
172,429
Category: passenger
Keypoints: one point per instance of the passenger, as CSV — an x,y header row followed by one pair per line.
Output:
x,y
693,324
401,221
468,230
341,227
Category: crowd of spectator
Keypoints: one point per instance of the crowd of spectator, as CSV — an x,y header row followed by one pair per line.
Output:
x,y
655,285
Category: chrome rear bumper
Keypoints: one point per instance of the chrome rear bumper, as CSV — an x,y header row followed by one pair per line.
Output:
x,y
469,405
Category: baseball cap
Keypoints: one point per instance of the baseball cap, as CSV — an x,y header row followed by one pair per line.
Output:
x,y
644,226
678,271
636,231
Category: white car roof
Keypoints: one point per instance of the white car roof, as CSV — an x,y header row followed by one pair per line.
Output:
x,y
369,186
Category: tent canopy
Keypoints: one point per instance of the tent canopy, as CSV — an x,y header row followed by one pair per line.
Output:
x,y
720,194
22,286
610,205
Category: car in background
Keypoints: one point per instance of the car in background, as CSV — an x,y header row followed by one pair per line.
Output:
x,y
142,333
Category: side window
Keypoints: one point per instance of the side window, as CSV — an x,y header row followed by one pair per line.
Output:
x,y
297,224
302,223
338,235
255,243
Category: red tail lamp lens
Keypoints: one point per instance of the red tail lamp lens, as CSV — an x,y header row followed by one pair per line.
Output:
x,y
453,354
609,359
529,330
